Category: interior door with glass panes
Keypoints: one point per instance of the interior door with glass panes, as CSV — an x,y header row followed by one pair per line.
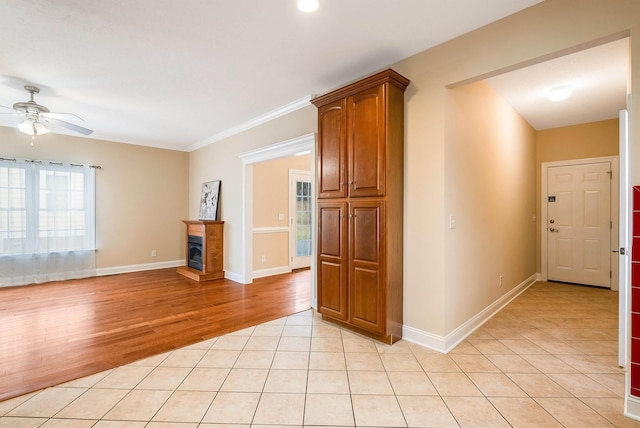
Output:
x,y
300,219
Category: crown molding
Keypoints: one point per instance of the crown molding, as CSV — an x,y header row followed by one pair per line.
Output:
x,y
274,151
281,111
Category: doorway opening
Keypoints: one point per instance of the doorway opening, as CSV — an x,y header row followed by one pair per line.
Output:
x,y
534,82
304,143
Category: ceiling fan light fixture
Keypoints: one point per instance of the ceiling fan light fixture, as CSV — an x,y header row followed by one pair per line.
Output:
x,y
560,93
308,5
32,128
35,114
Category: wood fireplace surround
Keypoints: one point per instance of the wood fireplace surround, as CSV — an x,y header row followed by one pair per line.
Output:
x,y
204,250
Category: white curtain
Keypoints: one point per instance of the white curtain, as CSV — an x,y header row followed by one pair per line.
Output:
x,y
47,221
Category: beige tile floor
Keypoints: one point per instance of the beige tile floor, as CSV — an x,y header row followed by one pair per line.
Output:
x,y
548,359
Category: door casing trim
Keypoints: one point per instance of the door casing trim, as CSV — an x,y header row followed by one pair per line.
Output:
x,y
275,151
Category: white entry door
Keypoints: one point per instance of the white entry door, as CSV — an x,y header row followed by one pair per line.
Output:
x,y
300,219
579,224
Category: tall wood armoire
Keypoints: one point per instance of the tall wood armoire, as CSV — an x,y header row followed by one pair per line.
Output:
x,y
360,197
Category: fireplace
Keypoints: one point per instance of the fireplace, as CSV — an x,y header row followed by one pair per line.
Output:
x,y
195,252
204,244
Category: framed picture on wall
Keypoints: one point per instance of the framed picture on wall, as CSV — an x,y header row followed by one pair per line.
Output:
x,y
209,200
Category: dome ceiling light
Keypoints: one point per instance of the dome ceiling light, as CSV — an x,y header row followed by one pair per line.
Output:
x,y
560,93
308,5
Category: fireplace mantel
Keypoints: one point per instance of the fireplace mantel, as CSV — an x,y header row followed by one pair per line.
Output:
x,y
208,234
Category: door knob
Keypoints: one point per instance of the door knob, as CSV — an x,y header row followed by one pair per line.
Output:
x,y
553,229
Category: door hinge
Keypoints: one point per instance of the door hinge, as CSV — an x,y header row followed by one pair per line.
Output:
x,y
611,224
610,274
610,175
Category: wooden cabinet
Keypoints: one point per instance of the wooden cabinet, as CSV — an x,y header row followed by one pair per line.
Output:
x,y
366,142
360,197
366,266
332,259
332,168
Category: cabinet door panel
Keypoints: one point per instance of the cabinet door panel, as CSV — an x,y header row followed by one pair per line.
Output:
x,y
365,220
332,150
367,142
367,240
331,291
365,302
332,259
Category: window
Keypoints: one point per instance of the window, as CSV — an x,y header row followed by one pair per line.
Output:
x,y
45,208
13,212
303,219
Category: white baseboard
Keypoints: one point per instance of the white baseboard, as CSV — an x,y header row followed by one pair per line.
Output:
x,y
271,271
424,338
632,407
235,277
446,343
136,268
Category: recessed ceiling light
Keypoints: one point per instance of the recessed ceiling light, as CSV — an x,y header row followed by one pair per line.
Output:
x,y
560,93
308,5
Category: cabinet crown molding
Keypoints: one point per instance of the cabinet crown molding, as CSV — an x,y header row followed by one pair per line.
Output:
x,y
386,76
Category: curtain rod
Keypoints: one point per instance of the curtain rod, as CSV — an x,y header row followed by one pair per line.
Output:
x,y
49,162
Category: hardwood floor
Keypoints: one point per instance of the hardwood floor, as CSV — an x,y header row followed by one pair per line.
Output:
x,y
55,332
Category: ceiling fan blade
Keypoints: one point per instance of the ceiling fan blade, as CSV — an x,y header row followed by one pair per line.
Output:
x,y
13,120
54,114
68,125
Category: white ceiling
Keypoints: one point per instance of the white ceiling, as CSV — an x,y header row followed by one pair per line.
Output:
x,y
181,74
598,77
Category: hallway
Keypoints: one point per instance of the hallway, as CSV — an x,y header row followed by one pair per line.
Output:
x,y
547,359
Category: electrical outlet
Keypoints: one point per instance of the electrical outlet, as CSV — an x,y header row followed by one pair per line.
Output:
x,y
263,258
500,280
153,253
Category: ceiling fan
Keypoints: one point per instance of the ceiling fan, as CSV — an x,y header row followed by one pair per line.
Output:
x,y
36,116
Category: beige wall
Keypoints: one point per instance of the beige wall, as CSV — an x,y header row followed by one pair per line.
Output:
x,y
141,194
221,161
274,247
431,303
489,187
271,189
588,140
270,199
545,30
